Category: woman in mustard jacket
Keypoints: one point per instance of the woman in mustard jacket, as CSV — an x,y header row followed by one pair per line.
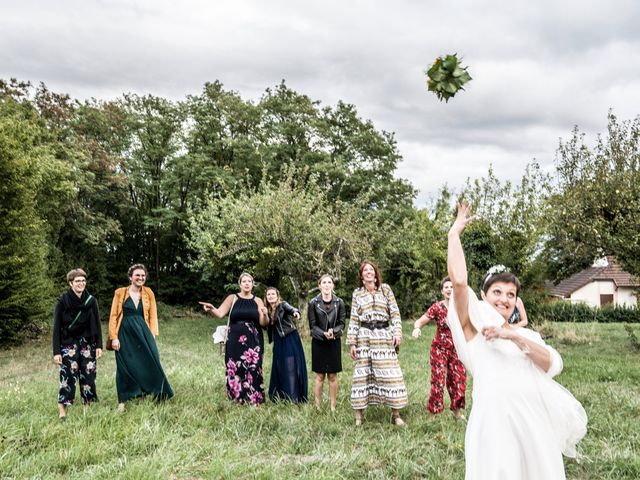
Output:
x,y
133,325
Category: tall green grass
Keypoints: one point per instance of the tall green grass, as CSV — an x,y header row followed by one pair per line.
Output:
x,y
200,434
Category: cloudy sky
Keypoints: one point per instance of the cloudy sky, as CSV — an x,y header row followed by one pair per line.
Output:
x,y
539,68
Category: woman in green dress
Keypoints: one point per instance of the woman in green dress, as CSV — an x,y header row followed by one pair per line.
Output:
x,y
133,325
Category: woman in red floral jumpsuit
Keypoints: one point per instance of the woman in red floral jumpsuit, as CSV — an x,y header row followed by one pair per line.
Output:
x,y
444,360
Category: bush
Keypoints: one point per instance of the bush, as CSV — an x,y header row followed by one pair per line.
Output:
x,y
561,311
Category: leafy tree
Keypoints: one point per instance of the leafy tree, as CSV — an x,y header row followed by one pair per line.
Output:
x,y
25,288
154,126
414,260
513,218
287,233
345,153
595,209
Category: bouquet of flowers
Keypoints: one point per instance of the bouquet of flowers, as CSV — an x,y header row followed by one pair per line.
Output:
x,y
446,76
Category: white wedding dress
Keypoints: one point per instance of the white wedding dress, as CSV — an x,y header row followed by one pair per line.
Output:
x,y
521,421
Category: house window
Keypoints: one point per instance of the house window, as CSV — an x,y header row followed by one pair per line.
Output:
x,y
606,299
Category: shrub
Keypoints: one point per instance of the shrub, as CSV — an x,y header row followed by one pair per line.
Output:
x,y
561,311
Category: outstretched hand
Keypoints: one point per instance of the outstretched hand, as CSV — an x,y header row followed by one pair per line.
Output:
x,y
463,218
206,306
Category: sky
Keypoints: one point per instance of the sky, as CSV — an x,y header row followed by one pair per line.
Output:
x,y
539,68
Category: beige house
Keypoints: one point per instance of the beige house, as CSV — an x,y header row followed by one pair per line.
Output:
x,y
603,283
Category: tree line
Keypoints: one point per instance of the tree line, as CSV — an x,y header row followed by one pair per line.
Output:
x,y
205,187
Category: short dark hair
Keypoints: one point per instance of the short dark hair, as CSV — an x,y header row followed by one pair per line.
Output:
x,y
505,277
443,281
76,272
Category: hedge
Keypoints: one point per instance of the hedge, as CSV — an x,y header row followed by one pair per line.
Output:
x,y
562,311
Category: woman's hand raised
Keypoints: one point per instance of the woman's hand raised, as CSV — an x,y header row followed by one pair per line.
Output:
x,y
463,218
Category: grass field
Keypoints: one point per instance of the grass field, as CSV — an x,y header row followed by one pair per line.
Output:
x,y
199,434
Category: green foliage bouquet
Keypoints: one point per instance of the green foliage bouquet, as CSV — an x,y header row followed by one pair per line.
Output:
x,y
446,76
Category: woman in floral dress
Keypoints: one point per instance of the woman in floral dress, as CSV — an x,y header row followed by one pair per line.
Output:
x,y
244,348
445,365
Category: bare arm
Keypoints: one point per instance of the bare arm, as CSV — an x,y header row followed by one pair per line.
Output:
x,y
222,310
457,267
418,324
264,319
523,314
422,321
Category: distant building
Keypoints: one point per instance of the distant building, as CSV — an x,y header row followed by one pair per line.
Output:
x,y
602,284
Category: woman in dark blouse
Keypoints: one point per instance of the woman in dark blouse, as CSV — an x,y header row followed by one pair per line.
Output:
x,y
326,321
77,341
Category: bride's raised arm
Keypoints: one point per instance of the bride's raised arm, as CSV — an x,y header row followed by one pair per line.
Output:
x,y
457,267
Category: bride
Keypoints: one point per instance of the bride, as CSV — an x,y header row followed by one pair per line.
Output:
x,y
522,421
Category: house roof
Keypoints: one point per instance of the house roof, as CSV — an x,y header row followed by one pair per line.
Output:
x,y
611,272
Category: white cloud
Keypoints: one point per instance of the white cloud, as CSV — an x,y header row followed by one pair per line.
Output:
x,y
539,68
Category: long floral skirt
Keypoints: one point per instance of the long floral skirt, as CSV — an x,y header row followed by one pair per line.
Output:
x,y
244,352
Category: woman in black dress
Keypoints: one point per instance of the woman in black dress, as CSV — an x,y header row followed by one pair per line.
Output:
x,y
77,341
326,321
244,348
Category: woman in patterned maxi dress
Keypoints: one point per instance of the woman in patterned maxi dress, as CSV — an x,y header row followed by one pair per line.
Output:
x,y
244,348
445,365
374,335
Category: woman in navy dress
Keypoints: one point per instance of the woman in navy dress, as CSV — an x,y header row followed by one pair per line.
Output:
x,y
289,368
244,348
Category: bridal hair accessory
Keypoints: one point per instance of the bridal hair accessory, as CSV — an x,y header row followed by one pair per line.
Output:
x,y
495,270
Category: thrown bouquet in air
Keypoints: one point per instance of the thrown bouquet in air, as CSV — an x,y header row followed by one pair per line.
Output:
x,y
446,76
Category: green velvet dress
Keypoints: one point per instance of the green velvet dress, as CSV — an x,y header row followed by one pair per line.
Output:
x,y
138,369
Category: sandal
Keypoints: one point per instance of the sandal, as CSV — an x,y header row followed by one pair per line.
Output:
x,y
459,416
397,421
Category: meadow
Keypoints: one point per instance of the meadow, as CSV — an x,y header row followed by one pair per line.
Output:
x,y
200,434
